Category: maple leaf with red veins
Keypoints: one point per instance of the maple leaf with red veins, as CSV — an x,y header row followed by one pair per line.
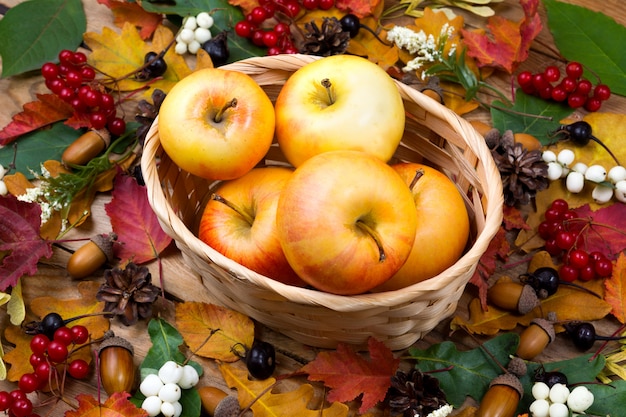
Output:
x,y
606,231
117,405
140,236
349,374
21,246
507,44
36,114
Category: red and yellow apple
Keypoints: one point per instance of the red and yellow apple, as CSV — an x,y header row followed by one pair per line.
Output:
x,y
341,102
346,221
216,123
442,225
239,221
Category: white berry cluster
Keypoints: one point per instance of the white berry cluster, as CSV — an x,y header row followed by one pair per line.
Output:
x,y
558,401
163,390
3,186
606,184
193,33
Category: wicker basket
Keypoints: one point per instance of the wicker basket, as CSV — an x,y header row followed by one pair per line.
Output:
x,y
433,135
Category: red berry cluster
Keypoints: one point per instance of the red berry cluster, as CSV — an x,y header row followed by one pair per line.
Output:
x,y
73,80
563,235
573,89
264,28
16,404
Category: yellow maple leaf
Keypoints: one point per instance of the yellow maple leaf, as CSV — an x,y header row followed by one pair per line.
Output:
x,y
196,321
268,404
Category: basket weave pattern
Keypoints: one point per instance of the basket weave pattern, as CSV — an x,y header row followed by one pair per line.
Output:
x,y
434,135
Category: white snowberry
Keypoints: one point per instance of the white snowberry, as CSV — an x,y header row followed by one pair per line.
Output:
x,y
575,182
558,410
559,393
540,390
186,35
580,167
595,173
194,46
170,392
150,385
580,399
539,408
204,20
548,156
565,157
178,409
554,171
617,174
602,194
620,191
3,188
190,23
202,35
170,372
2,171
180,48
167,409
190,377
152,405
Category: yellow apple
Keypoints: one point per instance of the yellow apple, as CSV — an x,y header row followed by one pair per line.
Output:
x,y
341,102
216,123
239,221
442,225
346,221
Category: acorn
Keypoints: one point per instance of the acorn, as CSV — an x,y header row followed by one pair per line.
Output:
x,y
535,338
117,369
513,296
502,397
86,147
91,256
216,403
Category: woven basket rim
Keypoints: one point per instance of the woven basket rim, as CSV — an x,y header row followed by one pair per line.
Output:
x,y
347,303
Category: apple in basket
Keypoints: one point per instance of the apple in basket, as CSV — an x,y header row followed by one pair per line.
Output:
x,y
339,102
442,225
216,123
239,221
346,221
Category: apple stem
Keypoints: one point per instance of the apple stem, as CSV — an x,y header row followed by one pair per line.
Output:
x,y
230,204
367,229
418,174
226,106
327,84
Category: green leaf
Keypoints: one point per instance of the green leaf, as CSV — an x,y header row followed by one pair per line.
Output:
x,y
474,367
35,31
523,116
37,147
607,398
224,15
591,38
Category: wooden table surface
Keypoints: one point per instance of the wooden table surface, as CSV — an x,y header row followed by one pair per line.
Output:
x,y
53,279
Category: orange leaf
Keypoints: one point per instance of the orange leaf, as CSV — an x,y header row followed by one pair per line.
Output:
x,y
19,357
124,11
246,5
360,8
349,374
616,289
195,322
366,44
36,114
117,405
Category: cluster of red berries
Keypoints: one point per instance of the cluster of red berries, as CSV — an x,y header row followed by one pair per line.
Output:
x,y
277,39
16,404
563,234
573,89
73,80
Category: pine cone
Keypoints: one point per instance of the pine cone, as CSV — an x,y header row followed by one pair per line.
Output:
x,y
329,40
147,113
415,394
523,172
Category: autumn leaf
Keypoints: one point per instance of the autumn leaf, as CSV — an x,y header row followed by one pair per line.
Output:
x,y
615,288
268,404
211,331
497,250
20,240
124,11
366,44
117,405
349,374
48,109
512,218
140,236
360,8
507,43
245,5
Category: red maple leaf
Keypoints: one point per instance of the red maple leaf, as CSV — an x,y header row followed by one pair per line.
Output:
x,y
132,12
36,114
349,374
507,44
139,233
21,246
498,250
358,7
117,405
513,220
606,230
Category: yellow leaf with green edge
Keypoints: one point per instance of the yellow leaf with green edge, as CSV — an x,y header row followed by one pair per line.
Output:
x,y
15,307
265,403
3,367
4,298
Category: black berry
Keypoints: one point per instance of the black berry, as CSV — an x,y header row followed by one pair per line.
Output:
x,y
154,66
217,48
350,23
584,335
580,133
261,360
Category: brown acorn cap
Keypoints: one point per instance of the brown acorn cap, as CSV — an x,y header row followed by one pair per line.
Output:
x,y
528,300
508,380
546,325
105,243
228,407
116,341
517,366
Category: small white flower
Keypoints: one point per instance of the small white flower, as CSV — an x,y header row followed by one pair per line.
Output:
x,y
442,411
